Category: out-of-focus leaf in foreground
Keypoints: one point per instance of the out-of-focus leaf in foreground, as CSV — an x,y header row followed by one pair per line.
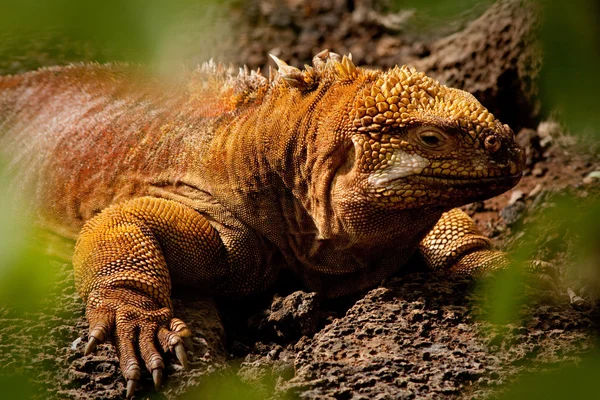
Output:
x,y
569,382
16,387
574,223
571,44
225,388
25,279
150,31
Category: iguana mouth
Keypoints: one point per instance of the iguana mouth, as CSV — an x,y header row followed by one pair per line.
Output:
x,y
457,180
419,183
460,179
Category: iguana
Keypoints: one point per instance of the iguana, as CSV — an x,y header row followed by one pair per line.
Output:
x,y
219,182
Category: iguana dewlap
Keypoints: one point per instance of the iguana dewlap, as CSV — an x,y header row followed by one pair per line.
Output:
x,y
219,181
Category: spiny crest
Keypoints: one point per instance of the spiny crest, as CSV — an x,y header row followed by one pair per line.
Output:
x,y
403,97
249,85
215,80
324,64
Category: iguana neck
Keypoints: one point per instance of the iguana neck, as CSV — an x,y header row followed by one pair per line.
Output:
x,y
288,155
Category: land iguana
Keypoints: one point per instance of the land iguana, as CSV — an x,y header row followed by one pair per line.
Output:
x,y
218,182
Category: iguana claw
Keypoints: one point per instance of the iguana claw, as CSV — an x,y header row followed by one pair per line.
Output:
x,y
91,346
181,356
131,385
157,375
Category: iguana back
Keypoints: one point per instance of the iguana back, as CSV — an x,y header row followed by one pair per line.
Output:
x,y
83,137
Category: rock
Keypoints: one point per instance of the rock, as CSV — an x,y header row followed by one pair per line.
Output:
x,y
497,59
535,191
539,171
547,130
76,343
530,141
417,338
592,177
512,213
290,317
515,196
575,300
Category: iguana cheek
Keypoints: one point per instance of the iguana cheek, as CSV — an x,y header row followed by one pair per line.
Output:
x,y
400,165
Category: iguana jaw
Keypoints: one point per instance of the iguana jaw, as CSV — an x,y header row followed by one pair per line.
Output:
x,y
403,165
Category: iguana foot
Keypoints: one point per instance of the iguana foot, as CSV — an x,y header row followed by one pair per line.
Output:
x,y
137,323
539,274
544,275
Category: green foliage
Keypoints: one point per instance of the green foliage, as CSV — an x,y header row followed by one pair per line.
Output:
x,y
502,294
569,382
570,80
146,31
574,222
25,278
16,387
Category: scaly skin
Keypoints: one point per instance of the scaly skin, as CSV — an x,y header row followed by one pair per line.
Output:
x,y
338,173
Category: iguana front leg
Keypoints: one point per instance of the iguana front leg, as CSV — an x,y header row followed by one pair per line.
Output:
x,y
125,260
455,245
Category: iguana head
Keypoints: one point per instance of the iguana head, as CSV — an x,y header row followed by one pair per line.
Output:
x,y
419,143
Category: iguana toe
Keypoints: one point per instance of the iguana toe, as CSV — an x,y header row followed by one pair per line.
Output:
x,y
174,342
101,319
149,352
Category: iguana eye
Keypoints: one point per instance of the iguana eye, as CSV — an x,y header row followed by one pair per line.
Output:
x,y
431,139
492,144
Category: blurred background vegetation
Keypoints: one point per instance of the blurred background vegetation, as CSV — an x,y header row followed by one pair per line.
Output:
x,y
170,34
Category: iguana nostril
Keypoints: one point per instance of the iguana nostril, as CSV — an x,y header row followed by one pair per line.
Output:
x,y
492,144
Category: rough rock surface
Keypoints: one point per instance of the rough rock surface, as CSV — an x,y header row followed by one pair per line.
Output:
x,y
496,58
419,337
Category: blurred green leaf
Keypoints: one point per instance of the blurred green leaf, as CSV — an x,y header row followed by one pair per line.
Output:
x,y
127,30
576,221
570,79
569,382
25,278
503,294
228,387
17,387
